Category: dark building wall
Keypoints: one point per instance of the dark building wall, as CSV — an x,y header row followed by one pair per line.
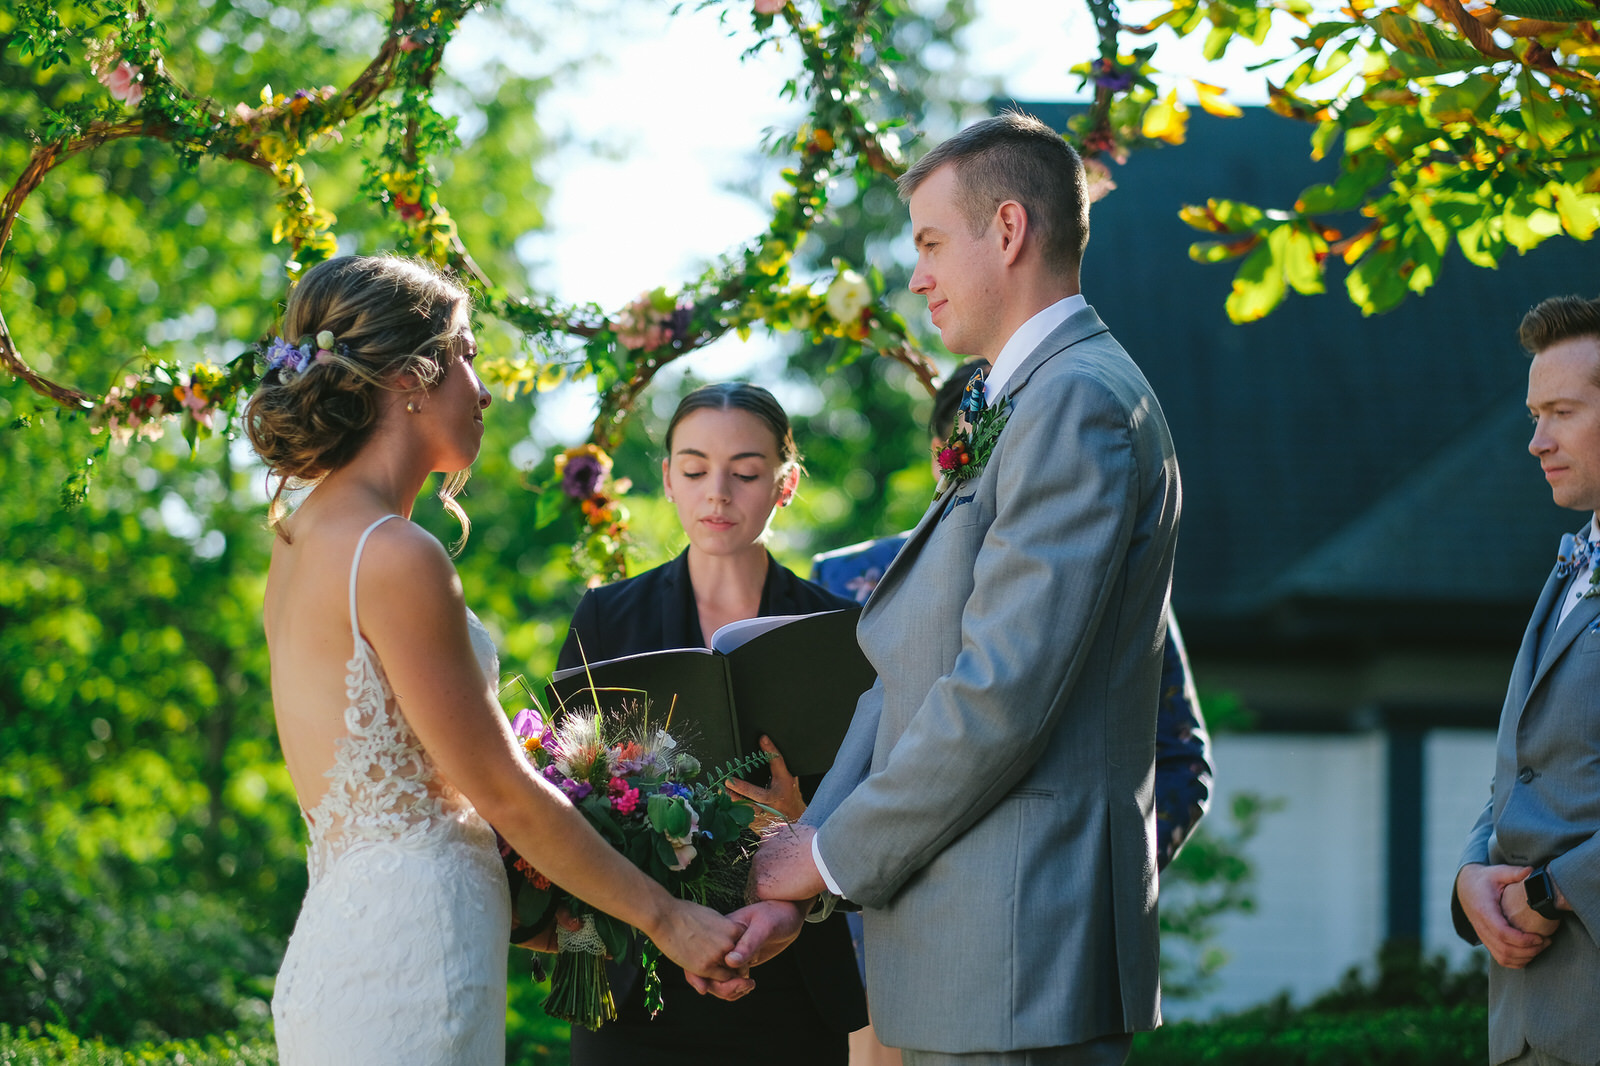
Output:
x,y
1328,502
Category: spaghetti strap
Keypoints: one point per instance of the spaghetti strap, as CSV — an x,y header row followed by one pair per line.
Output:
x,y
355,563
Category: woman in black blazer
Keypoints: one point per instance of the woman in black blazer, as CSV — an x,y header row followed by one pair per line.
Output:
x,y
731,462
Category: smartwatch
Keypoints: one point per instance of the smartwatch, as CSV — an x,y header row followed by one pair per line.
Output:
x,y
1542,894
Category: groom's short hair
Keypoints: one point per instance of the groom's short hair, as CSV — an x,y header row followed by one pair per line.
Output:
x,y
1014,156
1558,319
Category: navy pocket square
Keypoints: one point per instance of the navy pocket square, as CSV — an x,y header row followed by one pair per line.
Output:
x,y
956,501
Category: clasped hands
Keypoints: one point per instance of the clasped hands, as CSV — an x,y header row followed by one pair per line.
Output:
x,y
1495,901
783,879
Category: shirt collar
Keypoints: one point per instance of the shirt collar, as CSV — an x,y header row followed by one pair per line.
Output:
x,y
1028,337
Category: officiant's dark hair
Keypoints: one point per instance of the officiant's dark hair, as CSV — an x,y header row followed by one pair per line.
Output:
x,y
741,396
1014,156
1558,319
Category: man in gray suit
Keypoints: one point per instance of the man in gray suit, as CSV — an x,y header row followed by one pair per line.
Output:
x,y
1529,884
991,807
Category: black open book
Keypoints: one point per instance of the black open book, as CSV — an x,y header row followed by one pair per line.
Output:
x,y
794,677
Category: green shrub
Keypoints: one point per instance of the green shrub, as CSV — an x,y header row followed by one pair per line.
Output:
x,y
54,1046
1278,1036
106,959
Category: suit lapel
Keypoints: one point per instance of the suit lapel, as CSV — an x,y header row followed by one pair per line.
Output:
x,y
1078,327
1529,655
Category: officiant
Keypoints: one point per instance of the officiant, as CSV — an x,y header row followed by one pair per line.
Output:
x,y
731,463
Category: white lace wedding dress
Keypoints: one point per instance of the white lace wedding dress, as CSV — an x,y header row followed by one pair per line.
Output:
x,y
399,953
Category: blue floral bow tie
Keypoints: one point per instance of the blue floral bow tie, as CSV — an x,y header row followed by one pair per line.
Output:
x,y
1576,553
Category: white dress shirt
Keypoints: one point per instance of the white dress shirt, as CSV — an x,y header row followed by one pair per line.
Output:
x,y
1580,580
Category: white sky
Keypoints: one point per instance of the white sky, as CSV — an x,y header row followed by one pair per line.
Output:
x,y
679,119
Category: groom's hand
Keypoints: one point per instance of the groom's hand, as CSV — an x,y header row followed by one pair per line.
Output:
x,y
770,926
784,867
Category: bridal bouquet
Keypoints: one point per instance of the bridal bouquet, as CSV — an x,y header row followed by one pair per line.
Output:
x,y
652,801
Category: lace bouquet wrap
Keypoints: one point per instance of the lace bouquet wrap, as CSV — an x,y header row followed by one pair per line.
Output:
x,y
653,802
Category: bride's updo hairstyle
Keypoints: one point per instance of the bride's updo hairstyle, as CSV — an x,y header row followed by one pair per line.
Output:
x,y
389,317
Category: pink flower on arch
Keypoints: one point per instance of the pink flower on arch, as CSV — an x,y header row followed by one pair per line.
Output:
x,y
123,83
770,7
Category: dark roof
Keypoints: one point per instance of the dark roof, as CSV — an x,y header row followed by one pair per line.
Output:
x,y
1344,478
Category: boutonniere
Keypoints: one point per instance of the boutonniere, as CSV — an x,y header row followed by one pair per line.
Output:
x,y
1576,553
971,442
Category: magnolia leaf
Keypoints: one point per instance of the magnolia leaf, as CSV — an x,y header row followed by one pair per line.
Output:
x,y
1579,211
1216,42
1257,288
1526,225
1481,243
1220,251
1166,120
1424,39
1300,252
1548,10
1337,60
1374,284
1322,138
1213,101
1545,119
1327,199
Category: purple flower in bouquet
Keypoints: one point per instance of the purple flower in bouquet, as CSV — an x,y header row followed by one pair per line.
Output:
x,y
672,788
528,723
575,790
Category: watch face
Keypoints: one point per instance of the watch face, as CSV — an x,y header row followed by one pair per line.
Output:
x,y
1541,895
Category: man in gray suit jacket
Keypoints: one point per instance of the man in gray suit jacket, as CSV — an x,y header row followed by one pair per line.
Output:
x,y
1529,883
991,807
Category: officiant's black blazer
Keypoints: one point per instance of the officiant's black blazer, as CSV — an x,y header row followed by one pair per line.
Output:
x,y
653,612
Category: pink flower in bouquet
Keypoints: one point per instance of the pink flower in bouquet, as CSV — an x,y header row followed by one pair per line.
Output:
x,y
624,800
123,83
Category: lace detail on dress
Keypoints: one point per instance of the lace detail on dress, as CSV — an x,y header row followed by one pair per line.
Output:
x,y
383,787
399,953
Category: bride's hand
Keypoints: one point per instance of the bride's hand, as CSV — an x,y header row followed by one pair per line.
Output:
x,y
546,939
782,795
699,939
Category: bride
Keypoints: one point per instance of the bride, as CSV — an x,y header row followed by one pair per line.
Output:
x,y
383,686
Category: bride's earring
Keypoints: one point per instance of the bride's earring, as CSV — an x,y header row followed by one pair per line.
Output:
x,y
411,407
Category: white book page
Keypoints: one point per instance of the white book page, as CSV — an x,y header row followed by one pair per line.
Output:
x,y
738,634
562,675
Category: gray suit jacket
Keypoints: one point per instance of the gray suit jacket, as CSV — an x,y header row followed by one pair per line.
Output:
x,y
991,806
1544,808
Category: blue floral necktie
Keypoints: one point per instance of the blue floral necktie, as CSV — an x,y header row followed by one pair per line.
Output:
x,y
1576,553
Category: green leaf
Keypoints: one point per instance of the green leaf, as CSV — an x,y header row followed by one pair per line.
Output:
x,y
1336,61
1322,138
1545,119
1374,284
1220,251
1526,224
1298,253
1216,42
1579,211
1424,39
1548,10
549,508
1257,288
1480,241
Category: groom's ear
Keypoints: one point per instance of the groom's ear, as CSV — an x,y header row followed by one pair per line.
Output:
x,y
1011,225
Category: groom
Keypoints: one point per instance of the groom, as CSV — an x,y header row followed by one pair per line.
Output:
x,y
990,808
